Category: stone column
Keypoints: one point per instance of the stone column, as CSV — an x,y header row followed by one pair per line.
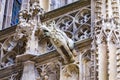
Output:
x,y
54,4
69,1
2,8
112,61
29,71
8,13
118,61
81,67
25,4
45,4
0,4
75,0
102,61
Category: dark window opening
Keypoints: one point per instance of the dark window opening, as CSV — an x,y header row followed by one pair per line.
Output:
x,y
15,12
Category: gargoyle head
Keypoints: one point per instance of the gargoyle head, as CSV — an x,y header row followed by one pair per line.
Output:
x,y
46,31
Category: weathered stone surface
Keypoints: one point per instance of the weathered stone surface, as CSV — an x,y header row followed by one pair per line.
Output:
x,y
92,24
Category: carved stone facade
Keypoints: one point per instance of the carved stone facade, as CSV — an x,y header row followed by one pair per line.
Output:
x,y
79,41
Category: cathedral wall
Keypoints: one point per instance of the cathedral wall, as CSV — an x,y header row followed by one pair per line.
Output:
x,y
75,21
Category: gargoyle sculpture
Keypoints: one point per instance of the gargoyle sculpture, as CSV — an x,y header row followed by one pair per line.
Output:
x,y
63,44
